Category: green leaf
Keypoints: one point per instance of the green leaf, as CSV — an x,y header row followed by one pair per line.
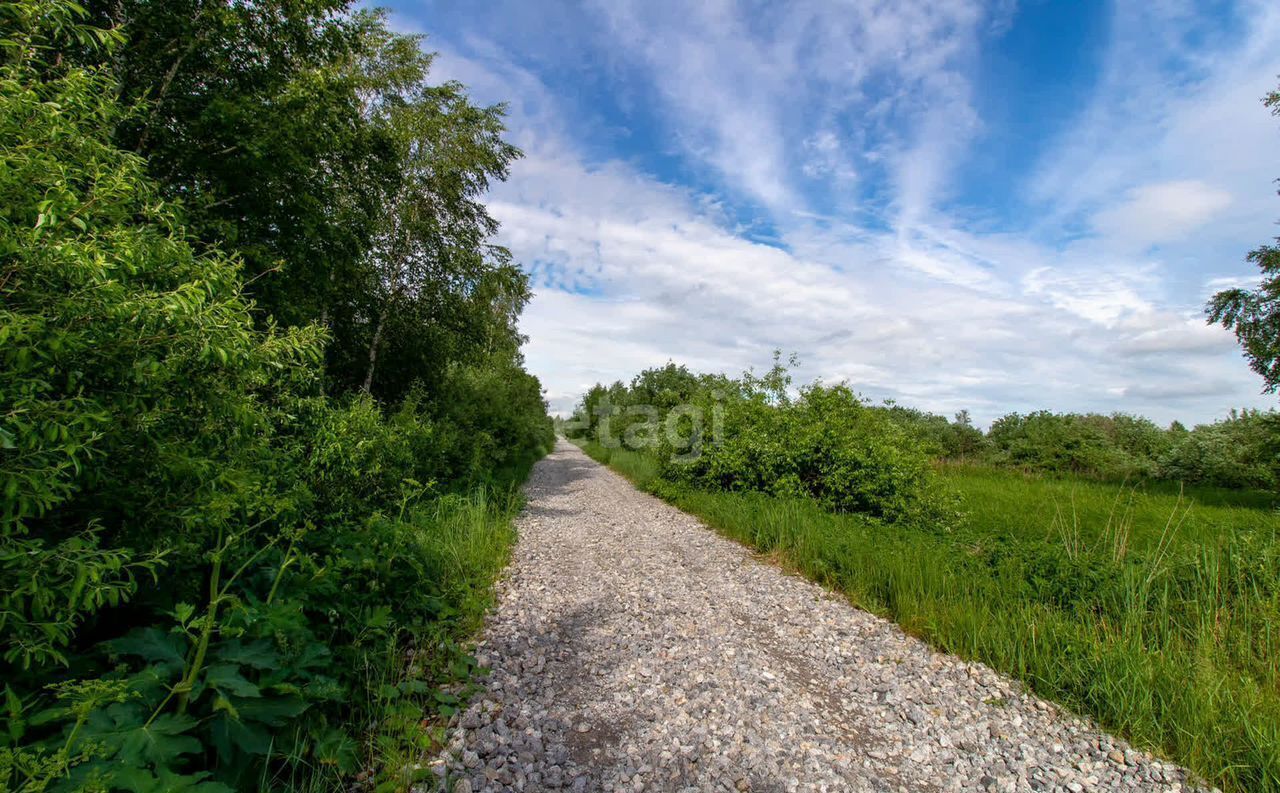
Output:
x,y
163,780
336,748
151,645
137,780
162,741
222,704
258,654
228,680
313,655
13,706
272,711
231,735
183,612
380,617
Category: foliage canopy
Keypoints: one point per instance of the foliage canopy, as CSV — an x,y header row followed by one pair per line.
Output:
x,y
208,552
1254,314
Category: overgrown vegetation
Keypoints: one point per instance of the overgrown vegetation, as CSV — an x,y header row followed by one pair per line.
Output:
x,y
230,556
750,434
1150,605
1239,451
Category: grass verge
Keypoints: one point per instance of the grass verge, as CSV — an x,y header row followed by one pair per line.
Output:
x,y
1156,612
415,686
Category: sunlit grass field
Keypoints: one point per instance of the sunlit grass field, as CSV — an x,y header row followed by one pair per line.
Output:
x,y
1152,609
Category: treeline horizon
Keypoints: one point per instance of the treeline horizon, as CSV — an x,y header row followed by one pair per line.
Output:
x,y
1240,450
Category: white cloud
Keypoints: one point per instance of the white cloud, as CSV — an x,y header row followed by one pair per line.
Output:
x,y
757,100
1162,212
1177,117
1220,283
1166,334
667,282
894,295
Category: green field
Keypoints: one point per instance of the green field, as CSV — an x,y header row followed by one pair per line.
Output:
x,y
1155,611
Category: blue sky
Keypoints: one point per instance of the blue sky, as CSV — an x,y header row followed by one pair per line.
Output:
x,y
994,206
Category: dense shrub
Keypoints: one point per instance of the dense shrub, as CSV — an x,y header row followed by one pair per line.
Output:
x,y
938,437
826,445
497,419
1060,443
211,573
749,434
1241,451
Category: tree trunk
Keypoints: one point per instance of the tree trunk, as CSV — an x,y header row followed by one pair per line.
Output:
x,y
373,351
328,300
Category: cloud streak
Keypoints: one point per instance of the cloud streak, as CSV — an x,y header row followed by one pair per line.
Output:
x,y
785,177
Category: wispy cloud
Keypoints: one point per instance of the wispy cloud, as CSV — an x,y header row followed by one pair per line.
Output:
x,y
706,182
1162,212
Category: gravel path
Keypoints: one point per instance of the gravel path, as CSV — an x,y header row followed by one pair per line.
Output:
x,y
634,649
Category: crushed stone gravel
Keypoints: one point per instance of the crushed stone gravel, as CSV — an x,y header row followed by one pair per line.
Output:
x,y
634,649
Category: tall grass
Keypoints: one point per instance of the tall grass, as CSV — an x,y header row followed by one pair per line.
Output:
x,y
468,538
1157,612
640,467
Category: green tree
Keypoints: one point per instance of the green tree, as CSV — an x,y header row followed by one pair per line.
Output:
x,y
966,440
131,366
156,428
439,290
305,138
249,114
1254,314
142,409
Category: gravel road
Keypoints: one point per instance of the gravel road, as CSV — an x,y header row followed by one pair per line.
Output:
x,y
634,649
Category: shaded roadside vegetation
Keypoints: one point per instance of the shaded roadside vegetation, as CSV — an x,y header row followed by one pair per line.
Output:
x,y
1149,604
263,403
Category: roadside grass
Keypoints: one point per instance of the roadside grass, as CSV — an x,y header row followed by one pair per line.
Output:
x,y
639,467
468,538
1154,611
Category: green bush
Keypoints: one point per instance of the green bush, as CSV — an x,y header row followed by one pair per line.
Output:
x,y
957,439
1242,451
826,445
711,432
1060,444
212,576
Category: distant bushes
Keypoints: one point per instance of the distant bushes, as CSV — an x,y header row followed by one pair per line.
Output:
x,y
748,434
1116,446
828,443
957,439
1240,451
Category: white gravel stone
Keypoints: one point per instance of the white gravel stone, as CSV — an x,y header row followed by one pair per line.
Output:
x,y
634,649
